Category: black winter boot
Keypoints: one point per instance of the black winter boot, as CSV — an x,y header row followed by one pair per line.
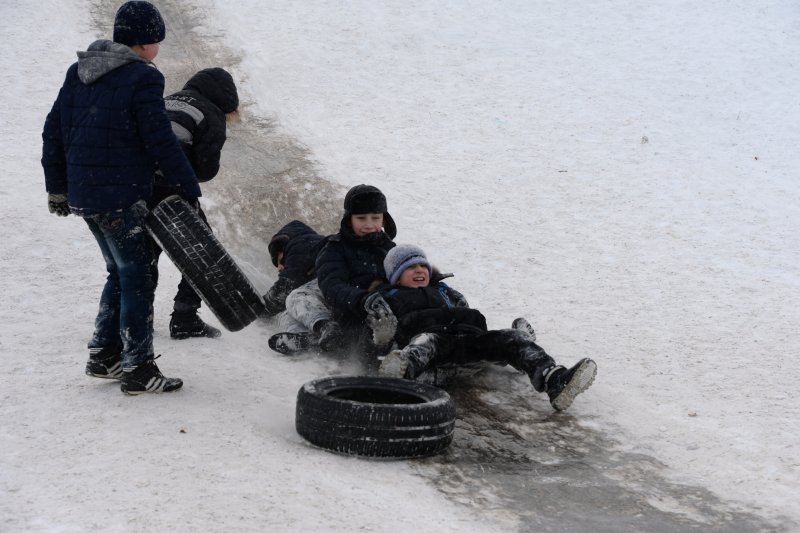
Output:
x,y
562,385
412,360
290,343
531,359
524,326
147,378
331,336
183,325
105,362
394,364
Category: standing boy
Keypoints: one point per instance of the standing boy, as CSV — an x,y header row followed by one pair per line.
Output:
x,y
102,140
433,325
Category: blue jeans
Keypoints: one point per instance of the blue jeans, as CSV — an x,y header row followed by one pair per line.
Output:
x,y
125,318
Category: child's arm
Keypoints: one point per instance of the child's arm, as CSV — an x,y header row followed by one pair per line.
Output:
x,y
155,131
54,161
333,275
207,148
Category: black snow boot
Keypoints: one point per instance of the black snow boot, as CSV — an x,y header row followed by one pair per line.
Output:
x,y
105,362
411,361
394,364
290,343
331,336
147,378
524,326
563,385
183,325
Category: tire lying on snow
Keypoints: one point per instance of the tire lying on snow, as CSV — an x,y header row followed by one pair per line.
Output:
x,y
204,263
375,417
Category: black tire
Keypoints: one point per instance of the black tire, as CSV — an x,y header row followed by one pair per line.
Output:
x,y
204,263
375,417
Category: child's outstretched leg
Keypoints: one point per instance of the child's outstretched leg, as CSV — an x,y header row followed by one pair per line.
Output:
x,y
562,385
412,360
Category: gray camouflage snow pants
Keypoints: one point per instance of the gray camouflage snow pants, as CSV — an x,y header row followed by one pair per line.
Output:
x,y
305,306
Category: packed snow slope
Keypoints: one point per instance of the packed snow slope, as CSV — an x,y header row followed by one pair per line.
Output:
x,y
621,174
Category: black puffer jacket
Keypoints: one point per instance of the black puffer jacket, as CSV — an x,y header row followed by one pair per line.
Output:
x,y
436,308
346,267
300,245
198,112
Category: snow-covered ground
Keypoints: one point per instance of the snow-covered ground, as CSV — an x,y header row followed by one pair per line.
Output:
x,y
621,173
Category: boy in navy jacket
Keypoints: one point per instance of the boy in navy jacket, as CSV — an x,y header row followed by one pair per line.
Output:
x,y
107,132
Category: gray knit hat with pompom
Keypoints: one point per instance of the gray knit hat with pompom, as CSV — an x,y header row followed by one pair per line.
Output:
x,y
400,258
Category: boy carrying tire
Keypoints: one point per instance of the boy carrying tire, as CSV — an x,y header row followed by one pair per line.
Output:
x,y
198,114
102,140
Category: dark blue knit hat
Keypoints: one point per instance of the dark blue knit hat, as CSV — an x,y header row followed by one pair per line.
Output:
x,y
138,22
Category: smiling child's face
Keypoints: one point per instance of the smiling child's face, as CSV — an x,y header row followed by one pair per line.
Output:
x,y
414,277
366,223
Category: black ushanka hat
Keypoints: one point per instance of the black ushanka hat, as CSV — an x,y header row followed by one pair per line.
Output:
x,y
363,199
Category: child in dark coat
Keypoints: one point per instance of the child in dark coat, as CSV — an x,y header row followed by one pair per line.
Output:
x,y
432,325
332,309
293,250
197,113
102,140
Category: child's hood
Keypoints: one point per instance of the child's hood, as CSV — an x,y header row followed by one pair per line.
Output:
x,y
217,85
102,57
293,229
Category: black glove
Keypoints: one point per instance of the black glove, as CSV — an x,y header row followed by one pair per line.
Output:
x,y
192,201
57,203
273,305
380,319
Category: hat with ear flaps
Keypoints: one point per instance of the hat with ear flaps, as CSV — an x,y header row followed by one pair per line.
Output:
x,y
138,22
363,199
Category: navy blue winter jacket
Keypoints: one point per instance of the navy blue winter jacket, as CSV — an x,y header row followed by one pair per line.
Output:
x,y
108,132
346,267
300,245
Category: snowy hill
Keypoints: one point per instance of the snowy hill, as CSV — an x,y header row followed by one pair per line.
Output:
x,y
621,174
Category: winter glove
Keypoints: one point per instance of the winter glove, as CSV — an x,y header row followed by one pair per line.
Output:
x,y
275,299
193,202
57,203
380,319
273,304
